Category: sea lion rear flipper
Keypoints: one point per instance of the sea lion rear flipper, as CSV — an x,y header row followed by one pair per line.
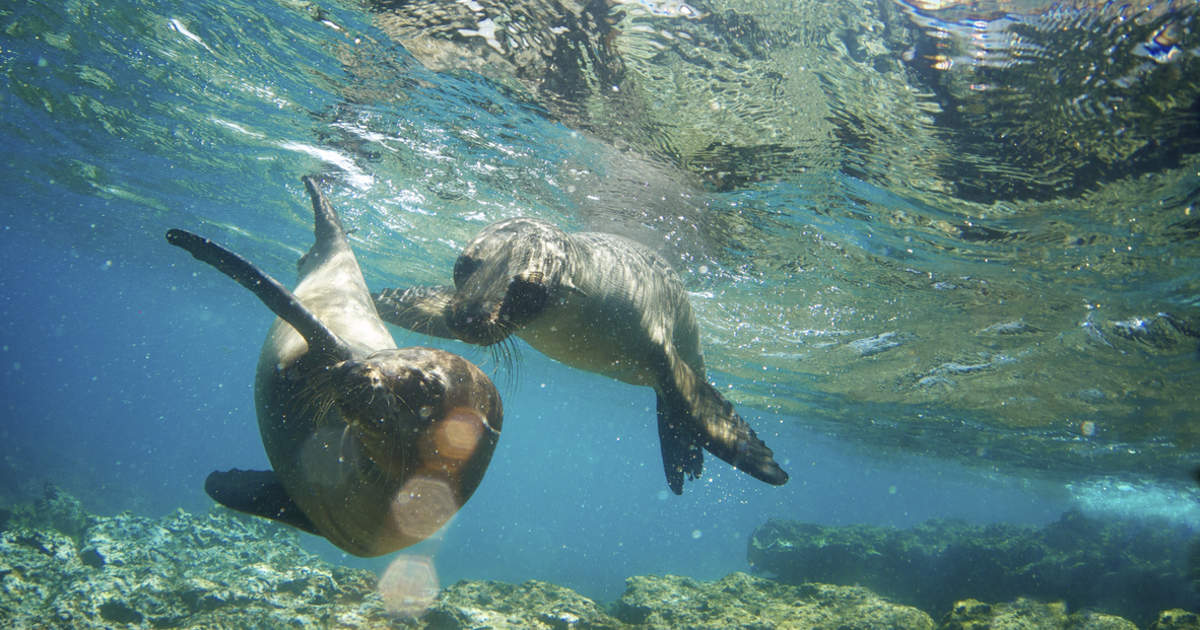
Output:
x,y
708,419
419,309
680,453
278,298
327,226
729,437
257,492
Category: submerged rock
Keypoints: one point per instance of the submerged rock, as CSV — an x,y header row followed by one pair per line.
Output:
x,y
747,602
870,346
183,570
534,605
1015,327
1027,614
1160,333
1176,619
1128,568
738,601
63,568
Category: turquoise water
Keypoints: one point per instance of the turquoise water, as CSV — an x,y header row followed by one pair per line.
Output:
x,y
943,271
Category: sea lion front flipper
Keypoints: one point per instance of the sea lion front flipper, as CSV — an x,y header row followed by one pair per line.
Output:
x,y
257,492
419,309
678,441
712,423
277,297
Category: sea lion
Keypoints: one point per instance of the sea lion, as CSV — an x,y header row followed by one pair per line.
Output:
x,y
373,447
601,303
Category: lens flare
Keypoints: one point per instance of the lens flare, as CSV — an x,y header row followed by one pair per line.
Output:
x,y
422,506
409,586
458,434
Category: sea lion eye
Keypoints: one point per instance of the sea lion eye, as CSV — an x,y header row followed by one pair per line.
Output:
x,y
526,297
463,268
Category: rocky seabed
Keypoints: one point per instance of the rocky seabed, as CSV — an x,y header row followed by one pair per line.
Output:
x,y
63,568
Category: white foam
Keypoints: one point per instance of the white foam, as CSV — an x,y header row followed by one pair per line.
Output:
x,y
1112,496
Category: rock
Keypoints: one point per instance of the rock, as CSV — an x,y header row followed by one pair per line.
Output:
x,y
1027,614
63,512
53,510
223,570
1015,327
533,605
1176,619
184,570
741,601
870,346
1123,567
1161,333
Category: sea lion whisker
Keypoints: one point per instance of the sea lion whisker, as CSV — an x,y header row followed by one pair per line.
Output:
x,y
488,357
342,459
499,359
396,455
317,397
512,360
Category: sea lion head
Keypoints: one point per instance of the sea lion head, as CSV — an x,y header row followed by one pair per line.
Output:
x,y
429,421
504,278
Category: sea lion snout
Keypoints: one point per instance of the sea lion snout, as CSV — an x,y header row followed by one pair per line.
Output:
x,y
475,322
492,318
386,389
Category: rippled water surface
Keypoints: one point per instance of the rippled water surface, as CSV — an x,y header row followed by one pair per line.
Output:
x,y
917,229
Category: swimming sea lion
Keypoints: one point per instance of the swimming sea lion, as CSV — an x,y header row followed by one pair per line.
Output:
x,y
601,303
373,447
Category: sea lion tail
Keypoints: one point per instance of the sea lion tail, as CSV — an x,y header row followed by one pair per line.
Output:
x,y
269,291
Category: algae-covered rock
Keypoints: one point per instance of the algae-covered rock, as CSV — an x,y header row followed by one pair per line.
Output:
x,y
1124,567
222,570
184,570
533,605
738,601
1176,619
746,602
1027,614
54,510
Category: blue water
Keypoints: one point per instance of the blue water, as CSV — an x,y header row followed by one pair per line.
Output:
x,y
127,367
131,381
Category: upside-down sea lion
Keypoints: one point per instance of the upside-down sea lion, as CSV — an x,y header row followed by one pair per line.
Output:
x,y
601,303
373,447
